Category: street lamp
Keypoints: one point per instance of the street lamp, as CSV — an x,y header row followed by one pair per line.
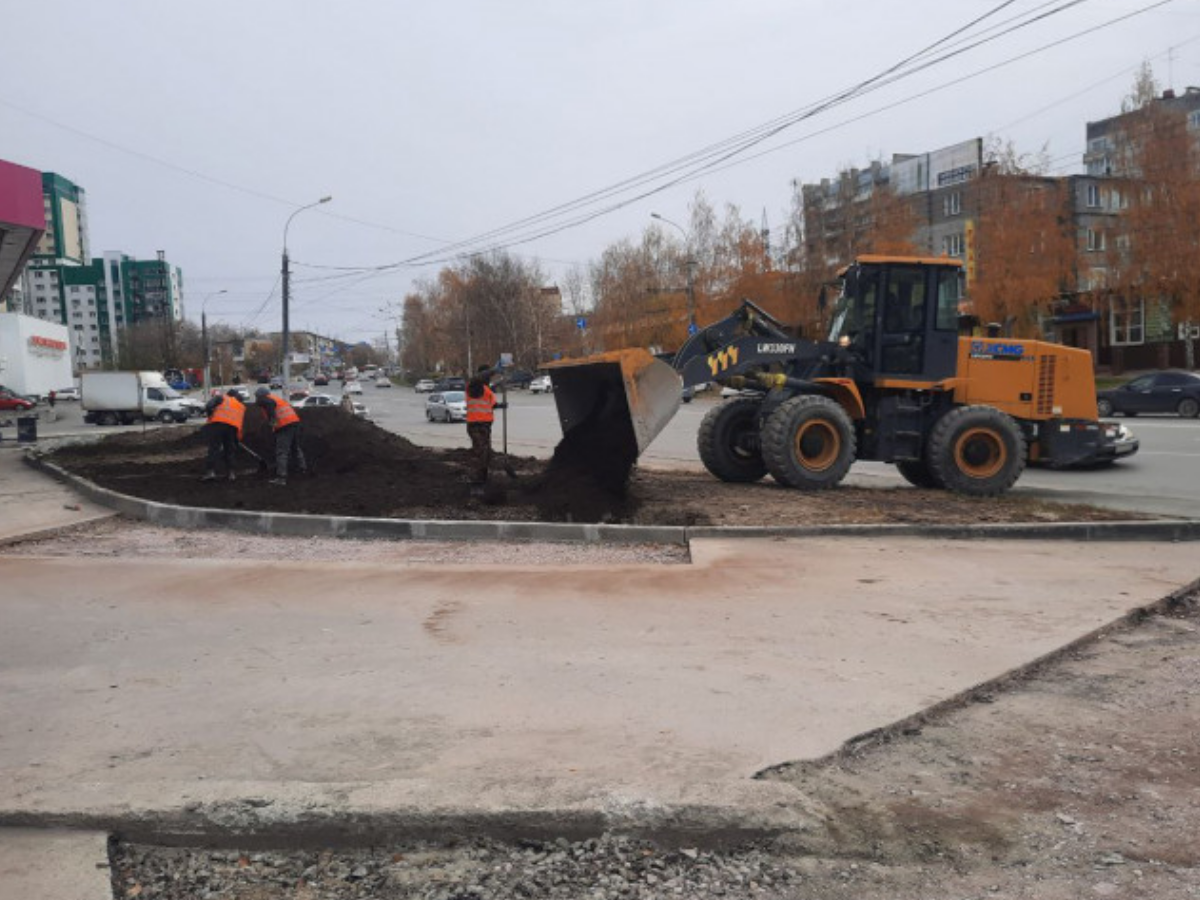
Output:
x,y
204,334
691,271
287,366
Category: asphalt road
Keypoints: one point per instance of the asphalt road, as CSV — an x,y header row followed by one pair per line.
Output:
x,y
1163,478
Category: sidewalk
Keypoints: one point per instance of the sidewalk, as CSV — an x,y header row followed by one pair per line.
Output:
x,y
31,502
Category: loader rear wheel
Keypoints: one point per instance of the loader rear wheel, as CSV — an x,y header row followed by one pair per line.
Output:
x,y
916,472
976,450
808,443
729,441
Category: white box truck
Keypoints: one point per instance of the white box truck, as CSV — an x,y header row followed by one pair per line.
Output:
x,y
121,398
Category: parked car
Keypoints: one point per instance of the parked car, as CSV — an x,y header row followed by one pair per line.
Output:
x,y
1159,392
425,386
276,382
10,402
447,406
383,382
513,379
352,387
541,385
67,393
314,400
453,383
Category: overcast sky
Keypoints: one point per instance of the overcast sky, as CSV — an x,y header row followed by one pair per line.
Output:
x,y
197,128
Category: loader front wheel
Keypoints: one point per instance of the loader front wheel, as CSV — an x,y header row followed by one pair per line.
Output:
x,y
808,443
976,450
729,441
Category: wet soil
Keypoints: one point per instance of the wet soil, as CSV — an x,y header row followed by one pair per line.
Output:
x,y
360,469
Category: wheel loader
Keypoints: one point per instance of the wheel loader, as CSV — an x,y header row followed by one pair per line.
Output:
x,y
899,379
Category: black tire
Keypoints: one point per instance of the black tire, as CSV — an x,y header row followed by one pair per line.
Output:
x,y
166,416
917,473
808,443
728,441
107,418
1104,407
976,450
1188,408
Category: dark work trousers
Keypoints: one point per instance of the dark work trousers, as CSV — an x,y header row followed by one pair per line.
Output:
x,y
480,434
287,448
222,444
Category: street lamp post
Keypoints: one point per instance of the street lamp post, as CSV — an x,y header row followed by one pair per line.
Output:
x,y
286,275
691,271
204,335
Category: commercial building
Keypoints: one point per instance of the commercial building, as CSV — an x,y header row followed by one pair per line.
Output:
x,y
94,297
21,225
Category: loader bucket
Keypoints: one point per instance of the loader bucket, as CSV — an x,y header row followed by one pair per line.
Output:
x,y
627,394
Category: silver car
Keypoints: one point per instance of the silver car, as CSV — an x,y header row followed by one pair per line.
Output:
x,y
448,406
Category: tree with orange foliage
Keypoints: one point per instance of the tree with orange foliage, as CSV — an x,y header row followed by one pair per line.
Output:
x,y
1154,261
1024,248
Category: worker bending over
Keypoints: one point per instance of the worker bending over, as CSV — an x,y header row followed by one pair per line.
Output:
x,y
226,415
480,405
285,423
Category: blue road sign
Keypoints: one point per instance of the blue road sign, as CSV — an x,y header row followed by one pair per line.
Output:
x,y
692,329
581,323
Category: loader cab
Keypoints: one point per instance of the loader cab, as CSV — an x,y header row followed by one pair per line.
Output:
x,y
899,318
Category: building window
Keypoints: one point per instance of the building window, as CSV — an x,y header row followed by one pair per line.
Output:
x,y
1194,119
1127,322
952,203
1093,196
952,245
1095,239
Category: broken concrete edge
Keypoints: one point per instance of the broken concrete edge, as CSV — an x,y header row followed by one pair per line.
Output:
x,y
50,531
1182,601
257,816
307,525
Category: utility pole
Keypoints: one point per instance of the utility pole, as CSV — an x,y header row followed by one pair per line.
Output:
x,y
204,334
284,278
691,271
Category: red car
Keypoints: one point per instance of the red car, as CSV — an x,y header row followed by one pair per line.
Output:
x,y
10,402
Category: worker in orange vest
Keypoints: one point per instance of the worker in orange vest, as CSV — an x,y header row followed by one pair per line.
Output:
x,y
285,423
226,415
480,405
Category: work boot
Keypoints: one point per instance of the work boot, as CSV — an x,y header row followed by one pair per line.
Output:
x,y
282,481
209,476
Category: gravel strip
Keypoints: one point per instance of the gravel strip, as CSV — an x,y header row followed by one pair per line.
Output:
x,y
607,868
122,537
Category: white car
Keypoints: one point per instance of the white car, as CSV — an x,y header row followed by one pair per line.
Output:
x,y
383,381
425,386
67,393
313,400
361,410
541,385
450,406
352,387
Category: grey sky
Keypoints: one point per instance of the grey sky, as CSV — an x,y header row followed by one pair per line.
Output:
x,y
435,122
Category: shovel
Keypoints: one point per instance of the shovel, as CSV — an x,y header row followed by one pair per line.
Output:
x,y
508,469
262,463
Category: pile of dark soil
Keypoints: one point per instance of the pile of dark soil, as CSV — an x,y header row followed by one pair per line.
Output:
x,y
363,470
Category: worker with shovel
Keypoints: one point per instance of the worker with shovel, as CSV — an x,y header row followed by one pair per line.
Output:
x,y
481,403
226,414
285,423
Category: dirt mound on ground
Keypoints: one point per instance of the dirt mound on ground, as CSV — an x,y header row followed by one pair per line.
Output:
x,y
362,470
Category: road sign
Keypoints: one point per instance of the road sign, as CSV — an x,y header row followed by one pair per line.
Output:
x,y
692,329
581,323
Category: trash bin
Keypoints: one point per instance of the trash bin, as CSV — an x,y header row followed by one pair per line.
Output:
x,y
27,430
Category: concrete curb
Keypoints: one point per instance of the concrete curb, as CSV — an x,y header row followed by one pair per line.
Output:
x,y
297,525
249,815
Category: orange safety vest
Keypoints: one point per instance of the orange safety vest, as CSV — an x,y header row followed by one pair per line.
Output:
x,y
284,414
231,411
479,409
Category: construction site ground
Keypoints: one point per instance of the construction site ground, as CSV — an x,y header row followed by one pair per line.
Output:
x,y
363,470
